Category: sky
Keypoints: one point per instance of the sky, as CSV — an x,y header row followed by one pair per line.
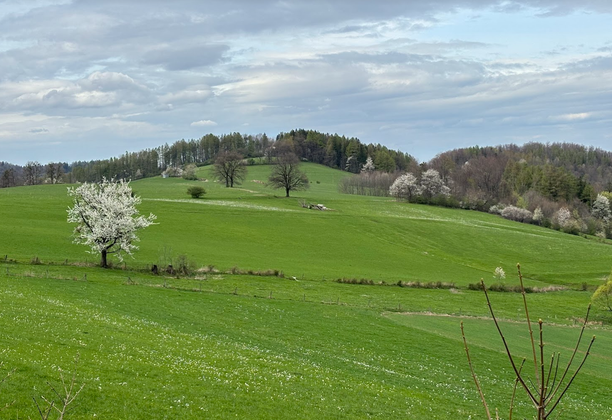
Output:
x,y
82,80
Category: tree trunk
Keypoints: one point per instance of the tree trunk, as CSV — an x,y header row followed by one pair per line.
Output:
x,y
287,190
103,263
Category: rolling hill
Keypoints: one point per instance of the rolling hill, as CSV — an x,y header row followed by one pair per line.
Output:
x,y
296,345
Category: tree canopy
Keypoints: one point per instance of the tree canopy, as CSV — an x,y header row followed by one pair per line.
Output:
x,y
286,174
106,217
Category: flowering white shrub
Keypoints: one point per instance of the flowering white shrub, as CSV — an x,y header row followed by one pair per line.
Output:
x,y
497,208
106,218
517,214
563,217
538,215
405,186
601,208
172,171
368,166
432,184
499,273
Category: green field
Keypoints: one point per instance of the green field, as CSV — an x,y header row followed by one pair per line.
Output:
x,y
221,345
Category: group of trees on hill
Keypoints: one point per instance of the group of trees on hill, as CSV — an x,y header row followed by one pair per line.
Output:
x,y
332,150
542,179
554,185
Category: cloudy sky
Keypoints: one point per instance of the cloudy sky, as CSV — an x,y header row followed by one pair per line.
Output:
x,y
93,79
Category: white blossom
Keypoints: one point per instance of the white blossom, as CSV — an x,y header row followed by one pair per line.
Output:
x,y
538,214
405,186
563,217
368,166
497,208
517,214
601,208
106,217
499,273
432,184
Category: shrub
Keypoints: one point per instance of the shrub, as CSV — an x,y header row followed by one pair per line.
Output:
x,y
190,172
172,171
196,191
517,214
603,295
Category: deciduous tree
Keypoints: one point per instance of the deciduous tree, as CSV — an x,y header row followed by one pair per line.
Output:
x,y
8,178
286,174
32,172
368,167
432,184
106,217
405,187
230,168
601,208
54,172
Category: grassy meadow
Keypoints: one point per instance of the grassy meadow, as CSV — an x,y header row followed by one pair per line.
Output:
x,y
293,345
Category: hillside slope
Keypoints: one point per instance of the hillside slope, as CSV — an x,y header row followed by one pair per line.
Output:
x,y
361,237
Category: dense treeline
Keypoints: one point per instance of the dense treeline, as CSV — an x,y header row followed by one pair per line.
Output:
x,y
560,172
478,177
564,186
328,149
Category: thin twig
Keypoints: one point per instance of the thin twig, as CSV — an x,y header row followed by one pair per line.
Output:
x,y
516,372
467,352
542,389
550,369
586,319
550,390
573,376
535,360
516,381
43,415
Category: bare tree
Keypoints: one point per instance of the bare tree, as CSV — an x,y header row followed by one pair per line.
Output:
x,y
287,174
543,393
230,167
32,172
54,172
62,396
8,178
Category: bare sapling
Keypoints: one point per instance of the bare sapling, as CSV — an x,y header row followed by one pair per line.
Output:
x,y
548,385
62,397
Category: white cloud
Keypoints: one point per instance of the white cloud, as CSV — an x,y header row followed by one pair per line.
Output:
x,y
573,117
203,123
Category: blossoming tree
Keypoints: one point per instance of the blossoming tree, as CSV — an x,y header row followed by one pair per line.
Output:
x,y
405,186
106,218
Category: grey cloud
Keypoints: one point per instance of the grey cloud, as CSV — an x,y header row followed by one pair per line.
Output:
x,y
98,90
390,57
592,64
186,58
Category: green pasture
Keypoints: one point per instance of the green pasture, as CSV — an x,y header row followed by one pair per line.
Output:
x,y
297,344
360,237
266,347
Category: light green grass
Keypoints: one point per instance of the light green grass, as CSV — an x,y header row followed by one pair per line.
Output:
x,y
265,347
314,350
362,237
